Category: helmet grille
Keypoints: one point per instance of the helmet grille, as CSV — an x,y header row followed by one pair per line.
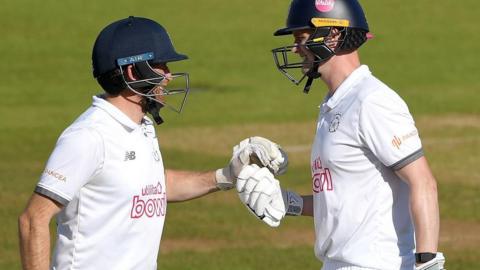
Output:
x,y
353,39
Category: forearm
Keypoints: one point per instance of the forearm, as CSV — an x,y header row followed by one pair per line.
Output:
x,y
423,204
187,185
34,244
425,214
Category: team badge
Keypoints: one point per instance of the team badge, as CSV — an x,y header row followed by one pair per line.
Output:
x,y
324,5
335,123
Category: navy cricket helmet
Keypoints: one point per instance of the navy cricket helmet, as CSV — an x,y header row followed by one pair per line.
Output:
x,y
132,39
141,44
321,16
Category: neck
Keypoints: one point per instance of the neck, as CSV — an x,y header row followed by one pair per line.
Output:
x,y
129,103
337,69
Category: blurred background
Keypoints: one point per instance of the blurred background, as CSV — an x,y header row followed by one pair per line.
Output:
x,y
426,50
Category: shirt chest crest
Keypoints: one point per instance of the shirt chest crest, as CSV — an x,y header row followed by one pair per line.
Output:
x,y
331,122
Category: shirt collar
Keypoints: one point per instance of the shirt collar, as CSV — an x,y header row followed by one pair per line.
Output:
x,y
346,86
114,112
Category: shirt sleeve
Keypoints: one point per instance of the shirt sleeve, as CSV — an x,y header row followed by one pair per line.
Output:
x,y
78,155
387,129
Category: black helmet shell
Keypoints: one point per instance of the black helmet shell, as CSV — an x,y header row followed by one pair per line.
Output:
x,y
346,13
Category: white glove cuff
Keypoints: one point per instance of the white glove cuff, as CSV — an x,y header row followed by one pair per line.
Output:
x,y
437,263
223,179
293,203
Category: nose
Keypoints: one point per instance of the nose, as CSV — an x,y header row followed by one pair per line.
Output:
x,y
295,48
168,77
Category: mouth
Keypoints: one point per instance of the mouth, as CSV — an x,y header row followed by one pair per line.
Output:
x,y
159,93
307,64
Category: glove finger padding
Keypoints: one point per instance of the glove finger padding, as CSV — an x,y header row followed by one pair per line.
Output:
x,y
282,163
262,175
253,150
276,208
257,183
274,213
272,222
264,187
269,154
261,194
260,204
244,175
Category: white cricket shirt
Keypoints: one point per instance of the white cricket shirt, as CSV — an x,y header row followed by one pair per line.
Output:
x,y
108,173
361,207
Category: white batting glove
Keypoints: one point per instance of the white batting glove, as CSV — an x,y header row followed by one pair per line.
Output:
x,y
261,193
253,150
268,153
436,263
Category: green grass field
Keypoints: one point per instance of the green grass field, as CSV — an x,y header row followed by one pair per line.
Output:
x,y
426,50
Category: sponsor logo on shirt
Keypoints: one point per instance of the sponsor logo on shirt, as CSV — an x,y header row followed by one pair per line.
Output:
x,y
56,175
151,203
321,177
398,140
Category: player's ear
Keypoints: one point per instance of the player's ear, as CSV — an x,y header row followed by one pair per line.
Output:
x,y
130,71
333,38
335,32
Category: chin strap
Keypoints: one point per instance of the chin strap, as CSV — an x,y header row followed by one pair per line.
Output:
x,y
153,108
312,74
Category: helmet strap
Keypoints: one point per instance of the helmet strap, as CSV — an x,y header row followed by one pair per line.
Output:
x,y
312,74
321,51
153,108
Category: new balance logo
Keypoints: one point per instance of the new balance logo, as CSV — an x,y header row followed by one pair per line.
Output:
x,y
129,155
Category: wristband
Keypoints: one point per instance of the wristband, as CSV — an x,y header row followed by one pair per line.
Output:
x,y
293,203
424,257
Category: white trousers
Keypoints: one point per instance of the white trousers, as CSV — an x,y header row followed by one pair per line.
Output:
x,y
333,265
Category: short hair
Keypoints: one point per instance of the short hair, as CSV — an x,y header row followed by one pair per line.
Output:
x,y
112,82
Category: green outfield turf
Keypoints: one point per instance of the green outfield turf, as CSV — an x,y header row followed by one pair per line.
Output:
x,y
426,50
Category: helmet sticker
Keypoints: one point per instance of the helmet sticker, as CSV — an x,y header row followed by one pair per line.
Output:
x,y
322,22
135,58
324,5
